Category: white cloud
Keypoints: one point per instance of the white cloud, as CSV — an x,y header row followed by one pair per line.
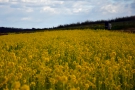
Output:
x,y
31,1
29,10
109,9
80,7
13,0
26,19
114,8
4,0
77,10
48,9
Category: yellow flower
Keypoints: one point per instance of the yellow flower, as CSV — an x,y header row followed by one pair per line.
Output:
x,y
73,89
25,87
50,89
30,56
6,88
78,67
86,86
130,57
45,59
113,54
19,75
73,78
13,55
24,81
52,80
11,64
133,71
25,60
108,62
32,84
64,79
3,81
16,85
20,68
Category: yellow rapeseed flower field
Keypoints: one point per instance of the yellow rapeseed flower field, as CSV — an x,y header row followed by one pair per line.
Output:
x,y
68,60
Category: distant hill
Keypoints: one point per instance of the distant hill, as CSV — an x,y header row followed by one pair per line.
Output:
x,y
121,23
117,24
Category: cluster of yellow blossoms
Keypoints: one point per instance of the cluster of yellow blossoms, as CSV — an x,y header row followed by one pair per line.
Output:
x,y
68,60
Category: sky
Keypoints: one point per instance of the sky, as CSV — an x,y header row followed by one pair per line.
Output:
x,y
51,13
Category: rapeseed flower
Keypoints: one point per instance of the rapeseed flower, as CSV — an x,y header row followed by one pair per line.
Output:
x,y
25,87
16,85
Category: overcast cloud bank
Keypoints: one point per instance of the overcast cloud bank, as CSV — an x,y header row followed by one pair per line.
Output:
x,y
49,13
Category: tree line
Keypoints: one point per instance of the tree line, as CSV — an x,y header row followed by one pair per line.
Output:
x,y
117,24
